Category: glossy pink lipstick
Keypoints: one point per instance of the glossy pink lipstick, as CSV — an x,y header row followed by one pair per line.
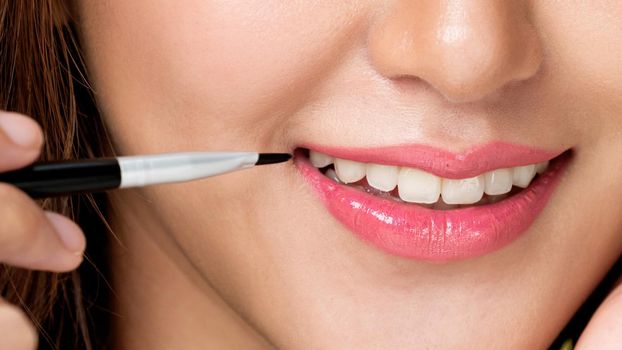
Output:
x,y
450,165
416,232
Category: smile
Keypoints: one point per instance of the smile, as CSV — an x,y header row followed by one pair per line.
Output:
x,y
425,203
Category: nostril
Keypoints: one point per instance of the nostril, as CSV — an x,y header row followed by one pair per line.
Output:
x,y
465,51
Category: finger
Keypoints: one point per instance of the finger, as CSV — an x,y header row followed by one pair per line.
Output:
x,y
20,140
34,239
604,331
17,331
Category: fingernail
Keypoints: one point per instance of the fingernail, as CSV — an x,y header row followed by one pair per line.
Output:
x,y
22,130
69,233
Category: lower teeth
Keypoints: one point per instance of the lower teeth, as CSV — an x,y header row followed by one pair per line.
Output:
x,y
439,205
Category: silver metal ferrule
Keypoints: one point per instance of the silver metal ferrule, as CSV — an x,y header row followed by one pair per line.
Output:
x,y
137,171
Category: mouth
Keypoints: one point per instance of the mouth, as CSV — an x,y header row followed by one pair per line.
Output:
x,y
425,203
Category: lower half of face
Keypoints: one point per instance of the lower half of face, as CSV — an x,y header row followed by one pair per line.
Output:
x,y
415,214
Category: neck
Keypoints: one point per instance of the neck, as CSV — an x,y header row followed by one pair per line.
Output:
x,y
161,301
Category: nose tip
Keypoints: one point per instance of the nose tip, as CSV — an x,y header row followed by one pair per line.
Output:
x,y
464,50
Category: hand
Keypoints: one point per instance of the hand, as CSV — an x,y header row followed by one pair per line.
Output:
x,y
604,331
29,237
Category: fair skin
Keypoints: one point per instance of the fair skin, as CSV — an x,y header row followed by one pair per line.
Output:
x,y
252,259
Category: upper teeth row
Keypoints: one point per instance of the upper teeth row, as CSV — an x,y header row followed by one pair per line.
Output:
x,y
418,186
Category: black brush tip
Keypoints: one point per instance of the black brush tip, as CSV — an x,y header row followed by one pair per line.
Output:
x,y
272,158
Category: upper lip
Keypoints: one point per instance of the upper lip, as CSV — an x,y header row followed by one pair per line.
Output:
x,y
468,163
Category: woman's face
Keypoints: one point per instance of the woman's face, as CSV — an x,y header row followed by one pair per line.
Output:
x,y
291,253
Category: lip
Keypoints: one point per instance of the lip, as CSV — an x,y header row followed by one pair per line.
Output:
x,y
450,165
414,232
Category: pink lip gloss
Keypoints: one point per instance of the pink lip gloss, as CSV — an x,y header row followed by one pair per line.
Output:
x,y
412,231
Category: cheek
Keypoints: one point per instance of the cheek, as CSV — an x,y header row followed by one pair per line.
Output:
x,y
584,52
205,68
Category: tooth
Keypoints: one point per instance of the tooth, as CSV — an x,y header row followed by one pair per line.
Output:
x,y
541,167
331,174
349,171
462,191
320,160
418,186
523,175
498,181
382,177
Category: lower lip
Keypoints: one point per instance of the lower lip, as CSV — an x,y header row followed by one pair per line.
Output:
x,y
419,233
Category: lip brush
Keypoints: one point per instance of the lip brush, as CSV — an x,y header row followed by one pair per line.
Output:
x,y
59,178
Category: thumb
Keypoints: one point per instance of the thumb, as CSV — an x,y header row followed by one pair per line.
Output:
x,y
604,331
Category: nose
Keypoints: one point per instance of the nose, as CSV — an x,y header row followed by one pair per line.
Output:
x,y
466,50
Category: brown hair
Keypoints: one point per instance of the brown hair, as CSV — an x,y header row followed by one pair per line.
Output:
x,y
42,75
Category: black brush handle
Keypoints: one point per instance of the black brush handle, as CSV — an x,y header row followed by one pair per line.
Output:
x,y
65,177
